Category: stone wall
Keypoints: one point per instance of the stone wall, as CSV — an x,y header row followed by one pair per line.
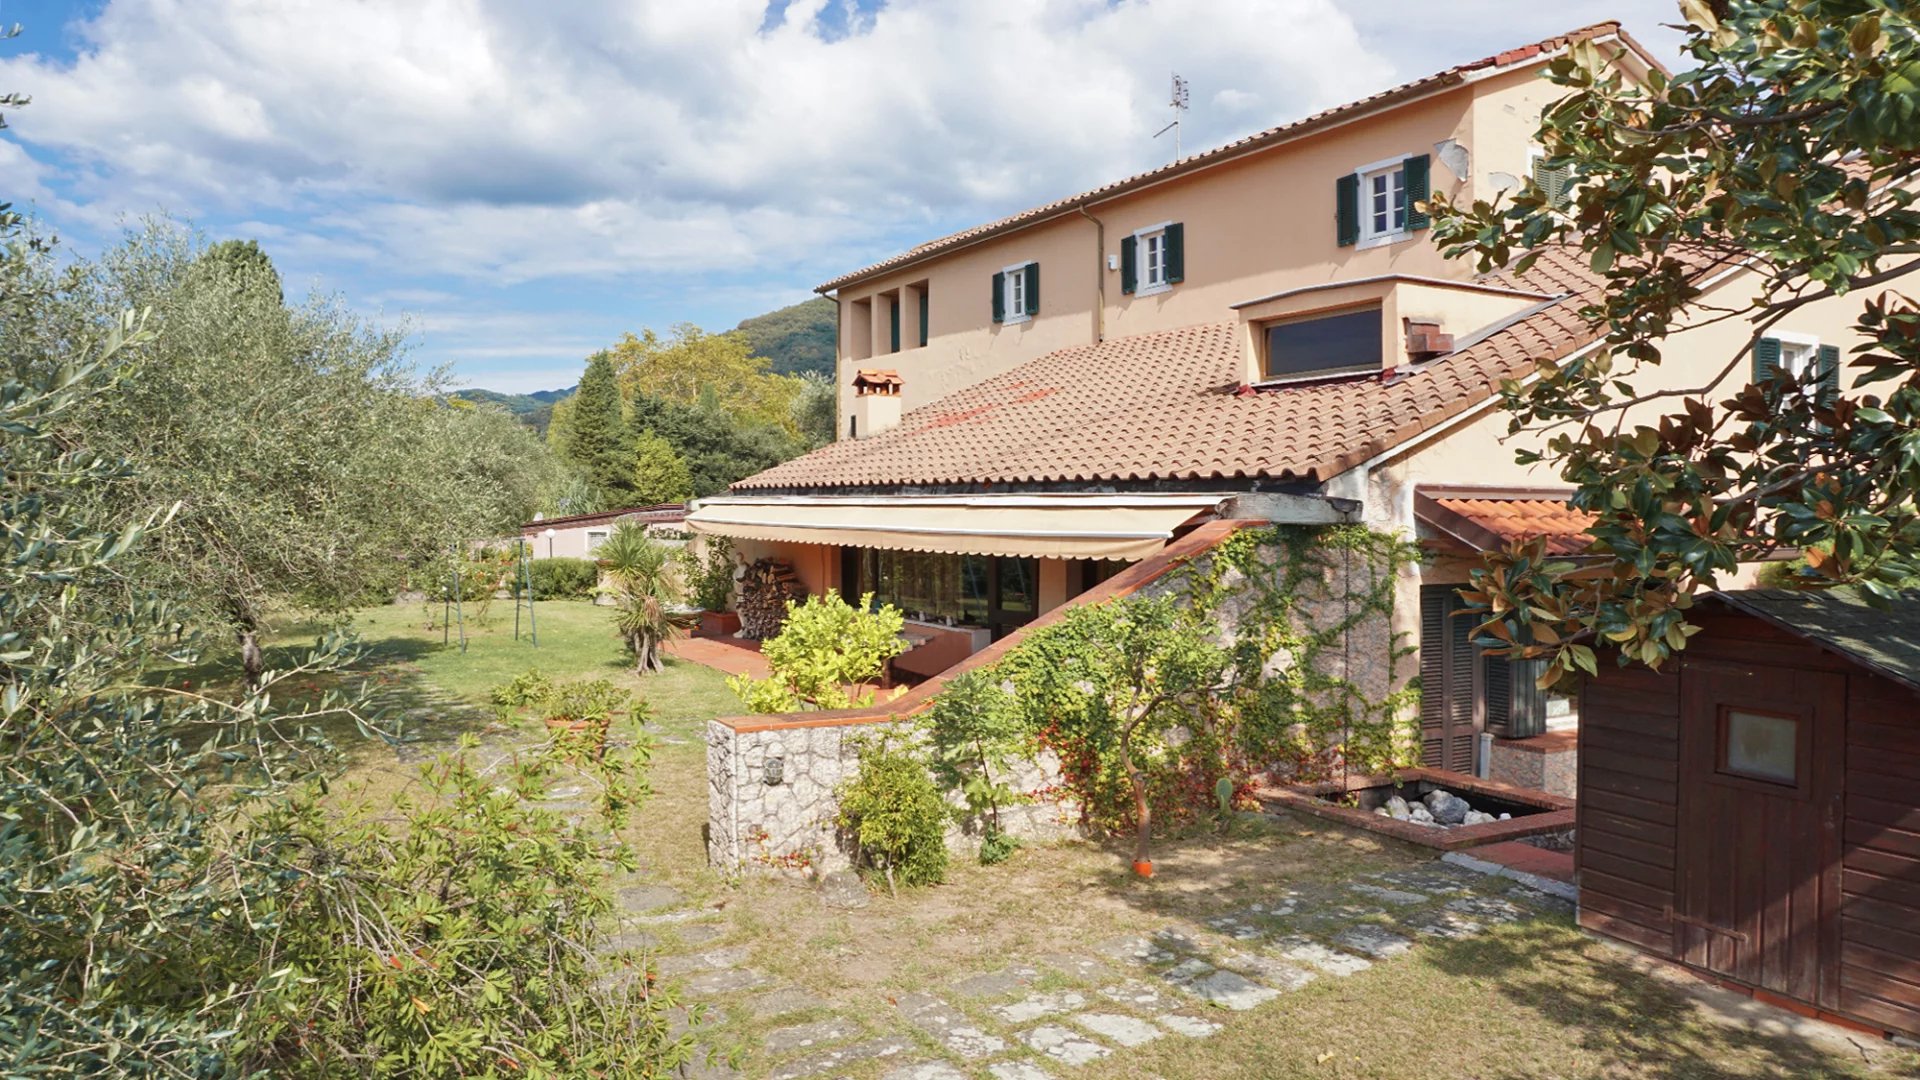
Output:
x,y
768,816
764,815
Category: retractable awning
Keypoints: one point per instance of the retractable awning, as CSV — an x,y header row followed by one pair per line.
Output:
x,y
1037,526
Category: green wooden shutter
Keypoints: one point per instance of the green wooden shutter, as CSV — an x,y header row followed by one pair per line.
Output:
x,y
924,306
1176,253
1000,297
1128,273
1033,288
1419,185
1555,184
1766,360
893,313
1829,374
1346,198
1516,706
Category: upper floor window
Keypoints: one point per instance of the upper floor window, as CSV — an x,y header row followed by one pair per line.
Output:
x,y
1153,259
1016,293
1556,182
1799,356
1324,345
1377,204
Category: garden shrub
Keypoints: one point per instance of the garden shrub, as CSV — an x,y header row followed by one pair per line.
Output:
x,y
563,579
527,688
974,735
823,648
708,574
895,815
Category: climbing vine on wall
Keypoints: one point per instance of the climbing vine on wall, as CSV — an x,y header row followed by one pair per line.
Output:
x,y
1273,650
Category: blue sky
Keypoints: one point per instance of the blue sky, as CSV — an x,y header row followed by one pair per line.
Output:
x,y
519,182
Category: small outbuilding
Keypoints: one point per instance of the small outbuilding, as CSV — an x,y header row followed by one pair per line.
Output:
x,y
1753,810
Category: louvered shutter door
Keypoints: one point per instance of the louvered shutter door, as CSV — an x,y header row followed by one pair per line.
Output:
x,y
1346,200
1176,253
924,305
1829,374
1419,183
1461,730
1033,288
1497,683
1766,360
999,297
1553,183
893,311
1433,674
1128,247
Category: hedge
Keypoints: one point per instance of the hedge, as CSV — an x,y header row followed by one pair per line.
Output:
x,y
564,579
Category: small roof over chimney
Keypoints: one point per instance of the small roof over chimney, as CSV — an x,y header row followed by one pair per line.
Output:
x,y
881,382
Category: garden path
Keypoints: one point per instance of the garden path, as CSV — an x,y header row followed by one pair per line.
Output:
x,y
1051,1015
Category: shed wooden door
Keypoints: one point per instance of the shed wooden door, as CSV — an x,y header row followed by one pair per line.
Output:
x,y
1449,722
1761,753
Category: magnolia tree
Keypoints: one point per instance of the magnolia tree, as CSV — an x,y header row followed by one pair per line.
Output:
x,y
1788,150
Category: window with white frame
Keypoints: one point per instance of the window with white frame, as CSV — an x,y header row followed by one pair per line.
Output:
x,y
1153,261
1798,354
595,537
1014,281
1383,202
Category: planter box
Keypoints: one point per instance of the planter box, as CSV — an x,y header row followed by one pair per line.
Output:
x,y
719,623
1535,812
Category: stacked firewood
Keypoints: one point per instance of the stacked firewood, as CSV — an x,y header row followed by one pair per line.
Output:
x,y
765,587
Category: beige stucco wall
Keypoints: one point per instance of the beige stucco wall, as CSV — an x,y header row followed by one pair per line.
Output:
x,y
1253,226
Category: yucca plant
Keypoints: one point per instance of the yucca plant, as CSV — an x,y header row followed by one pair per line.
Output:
x,y
640,582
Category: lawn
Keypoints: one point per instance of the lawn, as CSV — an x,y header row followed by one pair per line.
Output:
x,y
1533,999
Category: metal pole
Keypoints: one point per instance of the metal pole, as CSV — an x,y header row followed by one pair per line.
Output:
x,y
533,624
458,611
516,592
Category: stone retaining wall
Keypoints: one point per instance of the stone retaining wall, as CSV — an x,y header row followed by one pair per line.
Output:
x,y
763,815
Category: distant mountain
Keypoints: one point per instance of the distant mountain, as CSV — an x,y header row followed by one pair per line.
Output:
x,y
534,410
800,338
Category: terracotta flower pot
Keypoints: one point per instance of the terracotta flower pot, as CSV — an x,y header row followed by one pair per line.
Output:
x,y
1143,867
719,623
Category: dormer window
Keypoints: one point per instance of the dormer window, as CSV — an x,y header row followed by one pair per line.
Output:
x,y
1324,345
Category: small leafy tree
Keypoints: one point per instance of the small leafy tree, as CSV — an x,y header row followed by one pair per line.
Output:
x,y
894,812
974,734
1126,691
1789,149
642,587
659,472
824,647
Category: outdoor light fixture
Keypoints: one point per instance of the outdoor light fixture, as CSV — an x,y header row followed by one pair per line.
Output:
x,y
549,535
776,771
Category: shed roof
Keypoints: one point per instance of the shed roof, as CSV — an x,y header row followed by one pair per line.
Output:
x,y
1885,640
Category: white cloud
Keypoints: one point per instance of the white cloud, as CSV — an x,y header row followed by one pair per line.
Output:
x,y
514,141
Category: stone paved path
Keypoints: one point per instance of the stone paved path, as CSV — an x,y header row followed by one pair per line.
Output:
x,y
1056,1015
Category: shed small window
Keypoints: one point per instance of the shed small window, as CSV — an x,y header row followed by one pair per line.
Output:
x,y
595,537
1324,345
1760,746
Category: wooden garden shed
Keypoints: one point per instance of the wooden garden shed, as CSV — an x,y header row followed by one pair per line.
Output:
x,y
1753,811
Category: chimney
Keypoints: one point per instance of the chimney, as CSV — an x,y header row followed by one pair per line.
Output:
x,y
876,402
1425,341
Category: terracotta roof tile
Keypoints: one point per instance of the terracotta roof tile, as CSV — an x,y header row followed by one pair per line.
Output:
x,y
1510,518
1170,406
1450,77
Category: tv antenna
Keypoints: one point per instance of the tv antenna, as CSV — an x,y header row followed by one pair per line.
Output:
x,y
1178,103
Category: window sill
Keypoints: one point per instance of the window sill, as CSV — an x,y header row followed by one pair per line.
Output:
x,y
1016,320
1153,290
1383,240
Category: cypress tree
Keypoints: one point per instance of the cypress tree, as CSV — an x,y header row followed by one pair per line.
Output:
x,y
599,442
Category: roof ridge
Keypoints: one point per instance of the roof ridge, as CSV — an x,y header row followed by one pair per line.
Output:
x,y
1246,143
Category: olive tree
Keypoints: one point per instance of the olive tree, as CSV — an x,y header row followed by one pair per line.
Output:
x,y
1788,152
